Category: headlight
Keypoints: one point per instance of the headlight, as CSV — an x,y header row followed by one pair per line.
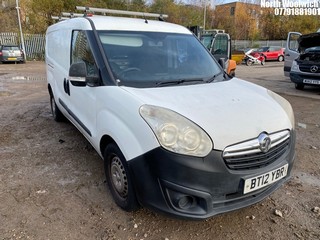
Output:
x,y
295,67
175,132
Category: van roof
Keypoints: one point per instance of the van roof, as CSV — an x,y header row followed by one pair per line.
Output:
x,y
122,24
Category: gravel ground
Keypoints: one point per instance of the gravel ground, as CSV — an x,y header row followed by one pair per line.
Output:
x,y
52,183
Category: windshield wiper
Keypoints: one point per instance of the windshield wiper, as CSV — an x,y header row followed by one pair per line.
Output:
x,y
211,79
179,81
188,80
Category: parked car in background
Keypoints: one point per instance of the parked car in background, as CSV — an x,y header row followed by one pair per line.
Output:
x,y
269,53
11,53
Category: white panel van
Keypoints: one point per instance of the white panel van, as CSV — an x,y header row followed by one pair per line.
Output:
x,y
176,133
302,62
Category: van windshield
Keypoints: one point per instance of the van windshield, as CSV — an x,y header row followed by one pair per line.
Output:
x,y
147,59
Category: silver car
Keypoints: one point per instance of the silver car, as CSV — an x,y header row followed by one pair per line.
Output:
x,y
11,53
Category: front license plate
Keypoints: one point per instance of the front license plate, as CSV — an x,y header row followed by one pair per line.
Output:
x,y
309,81
12,59
255,183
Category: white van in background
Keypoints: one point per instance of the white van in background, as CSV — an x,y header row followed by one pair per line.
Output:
x,y
176,133
302,59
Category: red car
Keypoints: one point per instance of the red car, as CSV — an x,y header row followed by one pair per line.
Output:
x,y
270,53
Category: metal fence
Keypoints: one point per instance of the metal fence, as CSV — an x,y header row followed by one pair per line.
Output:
x,y
242,44
34,43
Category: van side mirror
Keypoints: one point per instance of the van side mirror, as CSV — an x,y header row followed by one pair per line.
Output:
x,y
78,69
78,76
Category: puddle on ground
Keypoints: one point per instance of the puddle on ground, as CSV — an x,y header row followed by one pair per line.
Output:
x,y
29,78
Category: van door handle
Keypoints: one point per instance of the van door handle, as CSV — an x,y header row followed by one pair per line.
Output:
x,y
66,86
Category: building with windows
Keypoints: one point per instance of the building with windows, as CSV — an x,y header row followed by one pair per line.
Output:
x,y
239,19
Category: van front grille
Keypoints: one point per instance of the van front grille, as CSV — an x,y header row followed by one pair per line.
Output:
x,y
248,155
307,68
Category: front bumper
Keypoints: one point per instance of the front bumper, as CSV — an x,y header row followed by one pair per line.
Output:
x,y
305,78
12,59
198,188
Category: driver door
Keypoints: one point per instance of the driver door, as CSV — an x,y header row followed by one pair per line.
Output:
x,y
291,51
82,97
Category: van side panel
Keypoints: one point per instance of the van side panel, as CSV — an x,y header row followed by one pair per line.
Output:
x,y
58,44
58,62
58,47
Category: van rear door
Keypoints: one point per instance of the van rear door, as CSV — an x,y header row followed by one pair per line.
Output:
x,y
291,51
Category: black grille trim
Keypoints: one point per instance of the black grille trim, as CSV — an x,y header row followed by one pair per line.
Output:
x,y
306,68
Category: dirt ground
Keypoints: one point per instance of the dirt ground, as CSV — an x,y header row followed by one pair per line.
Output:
x,y
52,183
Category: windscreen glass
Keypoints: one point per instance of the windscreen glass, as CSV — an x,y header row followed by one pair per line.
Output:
x,y
146,59
11,48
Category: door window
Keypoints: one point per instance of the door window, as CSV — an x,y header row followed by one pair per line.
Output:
x,y
81,52
293,42
221,44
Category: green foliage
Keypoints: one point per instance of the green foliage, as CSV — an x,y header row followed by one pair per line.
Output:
x,y
36,16
166,7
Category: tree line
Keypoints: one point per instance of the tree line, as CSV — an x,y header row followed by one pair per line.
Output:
x,y
247,22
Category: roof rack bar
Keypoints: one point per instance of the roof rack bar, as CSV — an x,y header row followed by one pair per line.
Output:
x,y
121,12
66,14
59,18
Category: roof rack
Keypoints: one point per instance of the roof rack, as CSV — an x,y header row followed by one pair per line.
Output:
x,y
120,12
90,10
71,15
60,18
66,15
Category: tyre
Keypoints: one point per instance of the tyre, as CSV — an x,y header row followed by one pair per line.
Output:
x,y
248,62
56,113
280,58
119,178
299,86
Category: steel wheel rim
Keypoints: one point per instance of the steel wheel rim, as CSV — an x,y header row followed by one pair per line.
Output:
x,y
119,177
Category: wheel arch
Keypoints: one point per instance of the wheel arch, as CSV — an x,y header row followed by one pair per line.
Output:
x,y
128,130
104,141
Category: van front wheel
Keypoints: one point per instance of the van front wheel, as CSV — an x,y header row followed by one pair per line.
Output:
x,y
56,113
119,179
